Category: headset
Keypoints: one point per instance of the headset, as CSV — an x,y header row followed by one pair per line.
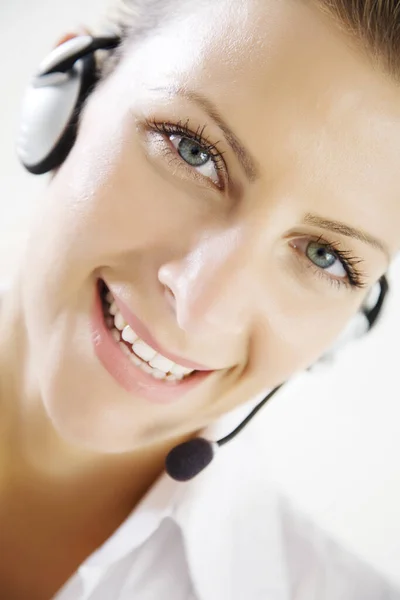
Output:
x,y
48,129
54,100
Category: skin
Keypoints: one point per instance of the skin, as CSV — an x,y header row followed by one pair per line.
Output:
x,y
221,277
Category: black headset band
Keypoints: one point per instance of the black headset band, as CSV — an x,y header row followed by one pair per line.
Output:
x,y
372,315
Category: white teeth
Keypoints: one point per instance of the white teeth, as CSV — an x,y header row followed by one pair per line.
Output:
x,y
119,321
143,355
171,377
116,335
161,363
129,335
125,349
143,350
135,360
158,374
178,370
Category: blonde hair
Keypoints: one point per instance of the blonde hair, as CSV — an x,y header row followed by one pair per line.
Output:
x,y
375,24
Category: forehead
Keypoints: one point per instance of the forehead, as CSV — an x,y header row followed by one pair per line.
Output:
x,y
322,122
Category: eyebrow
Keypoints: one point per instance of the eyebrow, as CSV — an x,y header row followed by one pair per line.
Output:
x,y
343,229
248,162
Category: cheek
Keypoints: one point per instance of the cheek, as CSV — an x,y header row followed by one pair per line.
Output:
x,y
295,330
108,205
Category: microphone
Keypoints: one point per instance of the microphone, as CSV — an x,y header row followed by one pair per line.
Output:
x,y
188,459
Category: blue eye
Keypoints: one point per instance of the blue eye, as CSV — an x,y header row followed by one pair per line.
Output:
x,y
196,156
194,149
328,260
324,258
191,152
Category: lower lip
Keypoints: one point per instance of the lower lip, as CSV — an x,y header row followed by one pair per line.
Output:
x,y
128,375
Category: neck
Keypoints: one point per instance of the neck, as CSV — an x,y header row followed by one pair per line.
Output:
x,y
49,489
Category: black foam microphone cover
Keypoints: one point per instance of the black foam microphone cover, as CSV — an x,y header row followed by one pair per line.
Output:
x,y
188,459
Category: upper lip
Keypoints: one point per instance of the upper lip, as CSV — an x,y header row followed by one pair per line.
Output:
x,y
142,331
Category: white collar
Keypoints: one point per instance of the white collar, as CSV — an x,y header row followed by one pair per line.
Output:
x,y
232,512
229,510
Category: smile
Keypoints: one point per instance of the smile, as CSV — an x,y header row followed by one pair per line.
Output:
x,y
139,352
132,356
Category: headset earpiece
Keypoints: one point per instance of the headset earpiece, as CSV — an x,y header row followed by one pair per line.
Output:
x,y
53,102
366,318
373,307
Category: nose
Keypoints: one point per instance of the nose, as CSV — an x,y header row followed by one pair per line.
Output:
x,y
211,288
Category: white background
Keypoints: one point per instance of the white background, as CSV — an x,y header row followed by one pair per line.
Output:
x,y
333,436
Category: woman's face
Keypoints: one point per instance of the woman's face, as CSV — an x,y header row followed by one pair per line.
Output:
x,y
235,185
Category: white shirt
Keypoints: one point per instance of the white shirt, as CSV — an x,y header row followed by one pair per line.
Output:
x,y
225,535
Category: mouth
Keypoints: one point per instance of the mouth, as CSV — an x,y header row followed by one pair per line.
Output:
x,y
139,352
138,364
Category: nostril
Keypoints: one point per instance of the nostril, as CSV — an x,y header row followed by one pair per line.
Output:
x,y
170,297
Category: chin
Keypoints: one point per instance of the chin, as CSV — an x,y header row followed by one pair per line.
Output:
x,y
85,406
89,410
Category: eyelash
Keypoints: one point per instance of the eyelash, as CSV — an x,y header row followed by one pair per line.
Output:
x,y
356,278
182,129
349,262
